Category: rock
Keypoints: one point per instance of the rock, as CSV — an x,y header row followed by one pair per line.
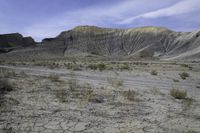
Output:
x,y
8,42
80,127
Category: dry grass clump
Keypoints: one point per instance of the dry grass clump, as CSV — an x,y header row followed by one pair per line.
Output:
x,y
92,66
62,95
100,66
178,94
73,84
89,92
130,95
176,80
187,103
68,65
125,66
115,82
52,65
154,72
96,98
5,86
2,61
54,77
80,90
184,65
156,91
83,92
184,75
73,66
187,66
6,73
23,74
77,68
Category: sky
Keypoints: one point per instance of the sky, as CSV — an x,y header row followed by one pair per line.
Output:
x,y
47,18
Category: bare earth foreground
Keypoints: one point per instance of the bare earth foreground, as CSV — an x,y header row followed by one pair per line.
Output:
x,y
121,98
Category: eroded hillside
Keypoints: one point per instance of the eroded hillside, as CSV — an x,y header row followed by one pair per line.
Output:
x,y
135,42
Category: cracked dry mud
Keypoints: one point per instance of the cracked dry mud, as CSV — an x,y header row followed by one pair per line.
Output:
x,y
87,102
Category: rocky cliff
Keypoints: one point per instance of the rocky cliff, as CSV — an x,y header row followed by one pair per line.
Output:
x,y
14,40
134,42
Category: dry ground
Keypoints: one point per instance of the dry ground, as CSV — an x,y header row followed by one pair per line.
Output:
x,y
123,97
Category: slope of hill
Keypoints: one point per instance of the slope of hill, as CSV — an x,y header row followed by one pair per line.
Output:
x,y
134,42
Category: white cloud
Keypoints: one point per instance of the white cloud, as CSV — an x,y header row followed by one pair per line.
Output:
x,y
184,6
96,15
114,14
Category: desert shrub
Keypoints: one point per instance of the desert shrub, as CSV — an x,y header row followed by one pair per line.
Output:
x,y
130,95
54,77
5,86
176,80
192,131
4,72
82,91
178,94
184,75
154,72
115,82
190,67
23,74
119,83
156,91
7,129
88,91
12,74
62,95
68,65
184,65
76,67
53,65
95,53
101,66
73,66
2,61
73,84
187,66
125,66
109,68
187,103
92,66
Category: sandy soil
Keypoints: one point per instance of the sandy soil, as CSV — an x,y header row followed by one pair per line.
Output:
x,y
95,101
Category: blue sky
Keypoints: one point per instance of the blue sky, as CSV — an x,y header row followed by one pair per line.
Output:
x,y
47,18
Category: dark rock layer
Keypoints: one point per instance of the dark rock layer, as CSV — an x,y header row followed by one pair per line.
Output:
x,y
12,41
